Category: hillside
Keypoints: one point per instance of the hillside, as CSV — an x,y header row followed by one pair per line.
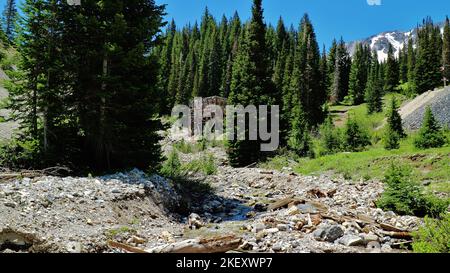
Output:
x,y
439,101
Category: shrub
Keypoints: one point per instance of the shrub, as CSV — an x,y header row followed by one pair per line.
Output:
x,y
434,236
330,141
391,139
20,154
355,137
205,165
404,195
394,120
172,166
430,135
184,147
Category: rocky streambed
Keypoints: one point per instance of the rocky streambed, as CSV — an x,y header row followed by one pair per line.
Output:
x,y
268,211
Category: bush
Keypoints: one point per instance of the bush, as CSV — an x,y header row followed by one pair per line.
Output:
x,y
330,141
172,166
205,165
391,140
434,236
404,195
430,135
20,154
356,139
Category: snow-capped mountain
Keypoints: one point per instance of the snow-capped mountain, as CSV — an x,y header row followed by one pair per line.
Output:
x,y
380,42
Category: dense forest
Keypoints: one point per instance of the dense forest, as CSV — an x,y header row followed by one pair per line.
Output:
x,y
94,79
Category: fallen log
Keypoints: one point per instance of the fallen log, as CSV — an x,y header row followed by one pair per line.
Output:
x,y
212,245
53,171
126,247
388,227
280,203
397,235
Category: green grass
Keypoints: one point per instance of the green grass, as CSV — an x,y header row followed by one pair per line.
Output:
x,y
373,123
432,165
429,165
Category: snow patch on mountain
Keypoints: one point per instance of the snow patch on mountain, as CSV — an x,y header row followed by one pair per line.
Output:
x,y
380,42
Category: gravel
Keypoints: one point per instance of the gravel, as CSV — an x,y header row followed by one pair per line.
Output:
x,y
440,105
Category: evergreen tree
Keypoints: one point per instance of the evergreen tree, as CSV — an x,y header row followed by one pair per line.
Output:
x,y
330,142
391,72
430,134
306,77
394,119
411,61
429,55
359,74
331,65
251,83
89,103
374,90
324,73
403,65
446,52
341,76
356,138
394,128
299,137
10,18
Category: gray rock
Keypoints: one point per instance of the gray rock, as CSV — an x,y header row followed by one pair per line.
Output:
x,y
373,245
74,247
258,227
10,204
282,227
351,240
329,234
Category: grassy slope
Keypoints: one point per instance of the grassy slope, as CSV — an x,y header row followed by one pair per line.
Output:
x,y
431,165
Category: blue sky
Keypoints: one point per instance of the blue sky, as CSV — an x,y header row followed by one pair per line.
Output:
x,y
353,19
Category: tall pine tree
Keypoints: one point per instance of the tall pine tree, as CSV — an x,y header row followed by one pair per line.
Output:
x,y
251,83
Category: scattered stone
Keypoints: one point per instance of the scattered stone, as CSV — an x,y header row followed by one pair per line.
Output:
x,y
195,221
329,234
292,211
373,245
351,240
282,227
258,227
10,204
74,247
272,230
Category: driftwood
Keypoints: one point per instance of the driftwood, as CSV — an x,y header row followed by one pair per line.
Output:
x,y
398,235
53,171
126,247
213,245
280,203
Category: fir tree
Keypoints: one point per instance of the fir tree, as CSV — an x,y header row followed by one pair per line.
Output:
x,y
394,128
430,134
394,119
411,62
359,74
306,77
429,55
374,90
251,83
9,19
330,141
341,76
355,137
391,72
299,137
